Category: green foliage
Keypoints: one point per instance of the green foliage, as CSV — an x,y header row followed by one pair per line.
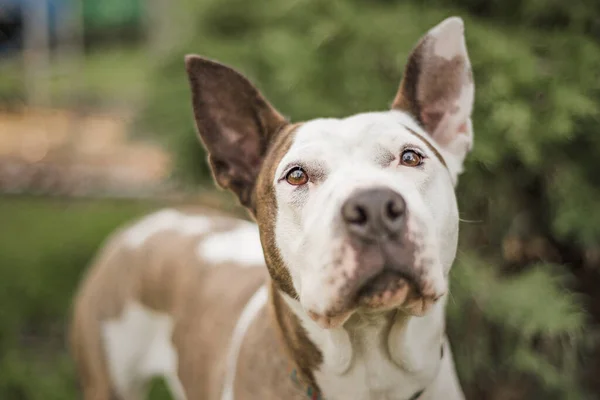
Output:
x,y
516,325
575,16
507,328
159,390
111,13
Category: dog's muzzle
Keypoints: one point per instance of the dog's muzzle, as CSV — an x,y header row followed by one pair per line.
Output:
x,y
375,221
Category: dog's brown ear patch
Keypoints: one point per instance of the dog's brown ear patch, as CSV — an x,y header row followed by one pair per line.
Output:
x,y
438,89
235,123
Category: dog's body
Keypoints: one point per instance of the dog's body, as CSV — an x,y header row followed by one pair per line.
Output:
x,y
358,223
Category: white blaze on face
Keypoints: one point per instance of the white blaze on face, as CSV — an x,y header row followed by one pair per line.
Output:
x,y
341,156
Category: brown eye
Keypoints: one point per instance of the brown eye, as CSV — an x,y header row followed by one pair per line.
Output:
x,y
296,177
411,158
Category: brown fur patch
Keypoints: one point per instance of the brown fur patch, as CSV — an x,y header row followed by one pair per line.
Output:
x,y
406,99
431,84
298,346
266,209
293,336
264,368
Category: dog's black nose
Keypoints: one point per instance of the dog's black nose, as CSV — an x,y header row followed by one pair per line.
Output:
x,y
373,213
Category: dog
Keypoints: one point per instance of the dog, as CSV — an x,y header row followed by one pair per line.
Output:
x,y
358,222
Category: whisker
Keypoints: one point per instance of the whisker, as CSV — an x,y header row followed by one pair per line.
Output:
x,y
451,297
470,221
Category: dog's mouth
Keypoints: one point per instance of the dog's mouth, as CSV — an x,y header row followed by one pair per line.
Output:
x,y
380,278
388,289
384,281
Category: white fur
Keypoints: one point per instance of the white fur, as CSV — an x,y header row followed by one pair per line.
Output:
x,y
369,363
446,386
240,245
347,149
449,38
169,219
138,347
254,305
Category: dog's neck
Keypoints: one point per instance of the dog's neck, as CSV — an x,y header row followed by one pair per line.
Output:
x,y
369,350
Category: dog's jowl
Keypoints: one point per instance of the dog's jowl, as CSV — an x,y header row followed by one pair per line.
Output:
x,y
357,225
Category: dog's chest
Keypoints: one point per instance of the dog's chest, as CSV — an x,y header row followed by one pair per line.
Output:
x,y
372,375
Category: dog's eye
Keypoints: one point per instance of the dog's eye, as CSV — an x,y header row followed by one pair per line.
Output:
x,y
411,158
296,177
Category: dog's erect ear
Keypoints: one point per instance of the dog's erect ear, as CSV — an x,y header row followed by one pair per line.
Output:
x,y
235,123
438,89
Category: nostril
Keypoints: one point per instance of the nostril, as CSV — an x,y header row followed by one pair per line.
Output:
x,y
394,210
355,214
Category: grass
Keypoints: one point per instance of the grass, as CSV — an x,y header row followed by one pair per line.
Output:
x,y
45,246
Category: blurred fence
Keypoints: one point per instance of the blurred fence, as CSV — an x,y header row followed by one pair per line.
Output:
x,y
62,152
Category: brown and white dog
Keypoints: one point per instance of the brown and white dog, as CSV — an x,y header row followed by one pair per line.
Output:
x,y
358,223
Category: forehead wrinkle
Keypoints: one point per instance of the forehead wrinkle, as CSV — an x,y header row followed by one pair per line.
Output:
x,y
317,170
383,156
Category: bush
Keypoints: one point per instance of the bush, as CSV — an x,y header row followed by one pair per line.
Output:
x,y
523,287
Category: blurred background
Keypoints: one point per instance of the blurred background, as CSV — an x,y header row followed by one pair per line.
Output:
x,y
96,129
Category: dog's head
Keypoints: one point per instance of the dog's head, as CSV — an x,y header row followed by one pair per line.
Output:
x,y
356,213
